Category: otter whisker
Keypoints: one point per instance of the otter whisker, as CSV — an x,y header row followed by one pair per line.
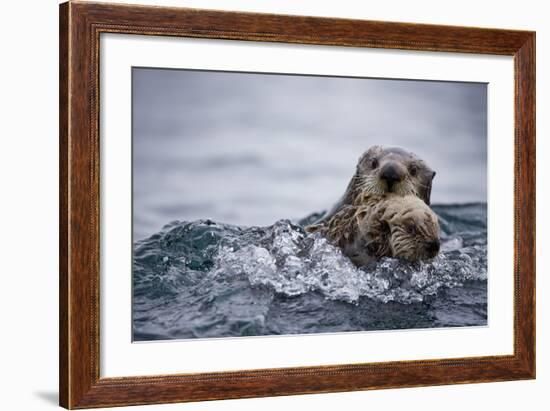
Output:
x,y
368,180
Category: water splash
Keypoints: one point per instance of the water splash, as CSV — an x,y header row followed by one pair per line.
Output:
x,y
203,278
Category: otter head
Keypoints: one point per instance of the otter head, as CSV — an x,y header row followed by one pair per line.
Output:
x,y
413,229
393,170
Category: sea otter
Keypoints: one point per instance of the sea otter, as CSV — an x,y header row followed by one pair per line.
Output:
x,y
387,170
383,225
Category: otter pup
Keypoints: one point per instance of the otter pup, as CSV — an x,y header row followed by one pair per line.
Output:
x,y
383,225
387,170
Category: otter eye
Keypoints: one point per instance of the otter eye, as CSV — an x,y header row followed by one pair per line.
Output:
x,y
413,169
374,163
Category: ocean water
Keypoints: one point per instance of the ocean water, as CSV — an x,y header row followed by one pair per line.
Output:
x,y
205,279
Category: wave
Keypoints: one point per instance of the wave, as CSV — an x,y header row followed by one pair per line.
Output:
x,y
193,275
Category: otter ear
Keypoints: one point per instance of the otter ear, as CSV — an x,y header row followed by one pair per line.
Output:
x,y
426,190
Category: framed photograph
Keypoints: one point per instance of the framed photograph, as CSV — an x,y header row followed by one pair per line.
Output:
x,y
259,205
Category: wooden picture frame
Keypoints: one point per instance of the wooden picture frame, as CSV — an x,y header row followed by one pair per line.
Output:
x,y
80,27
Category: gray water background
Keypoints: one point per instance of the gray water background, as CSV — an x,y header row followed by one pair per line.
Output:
x,y
250,149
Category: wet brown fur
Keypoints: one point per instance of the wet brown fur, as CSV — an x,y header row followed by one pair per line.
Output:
x,y
382,225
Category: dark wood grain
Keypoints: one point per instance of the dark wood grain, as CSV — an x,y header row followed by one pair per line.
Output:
x,y
63,205
80,27
525,200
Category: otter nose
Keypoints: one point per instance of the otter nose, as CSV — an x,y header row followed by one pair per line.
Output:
x,y
432,247
391,174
